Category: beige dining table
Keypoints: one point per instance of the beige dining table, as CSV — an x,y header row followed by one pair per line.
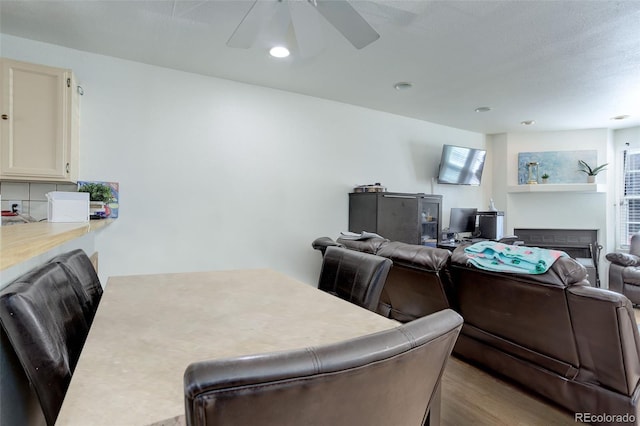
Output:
x,y
149,328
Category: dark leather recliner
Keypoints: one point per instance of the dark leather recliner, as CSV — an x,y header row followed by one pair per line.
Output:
x,y
624,271
381,379
354,276
322,243
417,284
553,333
43,318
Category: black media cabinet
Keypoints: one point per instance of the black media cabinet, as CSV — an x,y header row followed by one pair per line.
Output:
x,y
407,217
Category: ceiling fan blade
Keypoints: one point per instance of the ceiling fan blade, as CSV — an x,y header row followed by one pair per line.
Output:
x,y
276,27
307,29
252,23
348,21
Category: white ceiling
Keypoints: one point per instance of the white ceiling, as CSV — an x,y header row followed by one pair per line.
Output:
x,y
564,64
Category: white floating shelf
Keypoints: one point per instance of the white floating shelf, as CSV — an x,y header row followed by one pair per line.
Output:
x,y
558,187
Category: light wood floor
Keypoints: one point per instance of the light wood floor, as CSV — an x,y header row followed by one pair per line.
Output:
x,y
471,396
475,398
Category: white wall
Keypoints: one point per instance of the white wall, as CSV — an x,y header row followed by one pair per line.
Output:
x,y
564,209
572,210
216,174
497,149
630,136
589,139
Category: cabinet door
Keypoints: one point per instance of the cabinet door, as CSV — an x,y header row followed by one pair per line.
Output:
x,y
39,123
398,218
430,212
363,212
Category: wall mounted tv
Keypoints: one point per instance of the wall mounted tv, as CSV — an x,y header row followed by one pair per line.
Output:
x,y
460,165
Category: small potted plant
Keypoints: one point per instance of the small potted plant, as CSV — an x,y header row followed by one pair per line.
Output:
x,y
591,172
99,196
545,178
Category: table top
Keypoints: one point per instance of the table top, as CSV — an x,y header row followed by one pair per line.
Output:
x,y
149,328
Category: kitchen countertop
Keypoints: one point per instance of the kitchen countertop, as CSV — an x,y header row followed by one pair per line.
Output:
x,y
22,242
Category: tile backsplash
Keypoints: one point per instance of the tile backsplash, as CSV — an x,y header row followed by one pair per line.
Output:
x,y
31,195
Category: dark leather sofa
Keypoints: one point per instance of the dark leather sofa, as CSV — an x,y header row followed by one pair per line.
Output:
x,y
552,333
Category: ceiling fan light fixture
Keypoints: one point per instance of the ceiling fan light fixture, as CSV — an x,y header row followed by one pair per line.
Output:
x,y
267,16
279,52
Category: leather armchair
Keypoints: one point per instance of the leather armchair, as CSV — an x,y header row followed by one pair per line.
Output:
x,y
624,271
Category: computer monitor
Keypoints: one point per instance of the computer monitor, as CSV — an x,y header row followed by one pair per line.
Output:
x,y
462,220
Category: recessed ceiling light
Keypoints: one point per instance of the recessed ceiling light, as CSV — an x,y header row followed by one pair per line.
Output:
x,y
527,122
483,109
620,117
279,52
403,85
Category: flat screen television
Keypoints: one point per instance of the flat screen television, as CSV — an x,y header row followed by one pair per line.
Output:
x,y
460,165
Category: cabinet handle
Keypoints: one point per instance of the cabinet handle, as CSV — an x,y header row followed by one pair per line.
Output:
x,y
400,196
5,117
67,168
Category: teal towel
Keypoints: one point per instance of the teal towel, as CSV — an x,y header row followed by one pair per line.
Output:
x,y
495,256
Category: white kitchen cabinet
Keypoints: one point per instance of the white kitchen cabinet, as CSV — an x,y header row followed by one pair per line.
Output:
x,y
39,123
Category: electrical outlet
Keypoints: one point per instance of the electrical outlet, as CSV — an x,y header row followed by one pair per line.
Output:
x,y
15,205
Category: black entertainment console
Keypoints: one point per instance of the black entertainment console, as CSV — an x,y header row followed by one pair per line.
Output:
x,y
407,217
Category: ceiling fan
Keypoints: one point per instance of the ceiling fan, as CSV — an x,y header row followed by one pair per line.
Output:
x,y
270,19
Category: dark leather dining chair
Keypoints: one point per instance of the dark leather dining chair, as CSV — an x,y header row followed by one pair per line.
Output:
x,y
387,378
77,263
354,276
43,319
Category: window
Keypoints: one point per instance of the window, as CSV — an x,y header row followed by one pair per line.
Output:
x,y
630,202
